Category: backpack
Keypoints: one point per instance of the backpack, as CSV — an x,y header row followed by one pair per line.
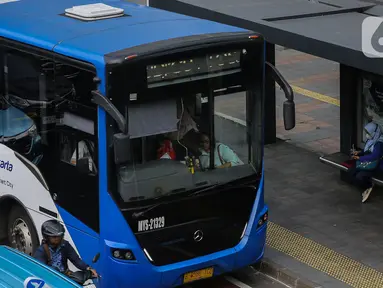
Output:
x,y
47,254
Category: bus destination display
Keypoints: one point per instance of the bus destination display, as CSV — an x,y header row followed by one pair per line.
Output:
x,y
208,64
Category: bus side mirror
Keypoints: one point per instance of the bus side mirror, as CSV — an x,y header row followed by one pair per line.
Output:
x,y
121,144
121,141
288,105
289,114
109,108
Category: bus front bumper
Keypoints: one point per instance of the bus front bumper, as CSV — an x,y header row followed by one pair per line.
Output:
x,y
123,274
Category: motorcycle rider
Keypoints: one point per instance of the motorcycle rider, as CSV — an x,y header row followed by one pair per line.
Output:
x,y
55,251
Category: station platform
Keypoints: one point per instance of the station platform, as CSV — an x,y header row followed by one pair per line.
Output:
x,y
319,221
319,229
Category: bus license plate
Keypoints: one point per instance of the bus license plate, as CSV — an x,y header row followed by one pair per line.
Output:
x,y
198,275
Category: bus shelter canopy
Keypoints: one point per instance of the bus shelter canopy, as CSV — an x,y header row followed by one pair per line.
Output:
x,y
330,29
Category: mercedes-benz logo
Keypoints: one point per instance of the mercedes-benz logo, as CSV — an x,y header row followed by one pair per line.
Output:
x,y
198,236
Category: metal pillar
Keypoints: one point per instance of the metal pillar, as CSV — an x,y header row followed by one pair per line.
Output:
x,y
270,115
348,84
348,107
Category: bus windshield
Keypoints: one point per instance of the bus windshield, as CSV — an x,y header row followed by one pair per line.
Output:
x,y
181,138
172,154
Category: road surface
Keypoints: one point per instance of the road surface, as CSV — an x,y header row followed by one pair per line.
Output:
x,y
250,281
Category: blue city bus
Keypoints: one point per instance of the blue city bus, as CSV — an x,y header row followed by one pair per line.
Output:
x,y
140,155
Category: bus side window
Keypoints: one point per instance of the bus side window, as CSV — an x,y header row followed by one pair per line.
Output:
x,y
2,87
20,85
2,100
67,148
73,149
76,134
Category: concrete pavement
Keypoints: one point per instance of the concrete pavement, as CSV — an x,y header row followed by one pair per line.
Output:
x,y
242,279
319,228
317,121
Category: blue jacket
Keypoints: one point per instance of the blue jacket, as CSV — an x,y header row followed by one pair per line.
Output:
x,y
375,155
67,253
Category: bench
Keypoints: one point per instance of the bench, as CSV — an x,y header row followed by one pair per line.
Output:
x,y
342,162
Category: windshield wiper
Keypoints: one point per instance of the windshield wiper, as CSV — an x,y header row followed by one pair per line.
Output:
x,y
220,185
182,190
172,193
139,214
206,189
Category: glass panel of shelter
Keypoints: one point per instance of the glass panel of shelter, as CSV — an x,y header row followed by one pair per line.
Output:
x,y
371,105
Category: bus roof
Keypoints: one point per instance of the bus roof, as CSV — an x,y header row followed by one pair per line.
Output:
x,y
42,23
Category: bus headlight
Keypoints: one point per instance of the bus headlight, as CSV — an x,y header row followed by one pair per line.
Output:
x,y
263,219
123,254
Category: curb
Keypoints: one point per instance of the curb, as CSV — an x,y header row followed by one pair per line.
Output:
x,y
284,275
281,48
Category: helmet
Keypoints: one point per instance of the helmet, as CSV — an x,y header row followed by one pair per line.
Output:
x,y
52,228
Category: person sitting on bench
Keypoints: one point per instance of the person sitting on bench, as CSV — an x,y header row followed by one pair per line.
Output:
x,y
368,161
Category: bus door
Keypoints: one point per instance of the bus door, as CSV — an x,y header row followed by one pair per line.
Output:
x,y
77,176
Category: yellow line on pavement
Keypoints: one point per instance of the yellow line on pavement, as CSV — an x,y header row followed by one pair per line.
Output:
x,y
315,95
322,258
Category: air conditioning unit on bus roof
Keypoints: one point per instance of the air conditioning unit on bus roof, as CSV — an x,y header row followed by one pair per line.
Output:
x,y
91,12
